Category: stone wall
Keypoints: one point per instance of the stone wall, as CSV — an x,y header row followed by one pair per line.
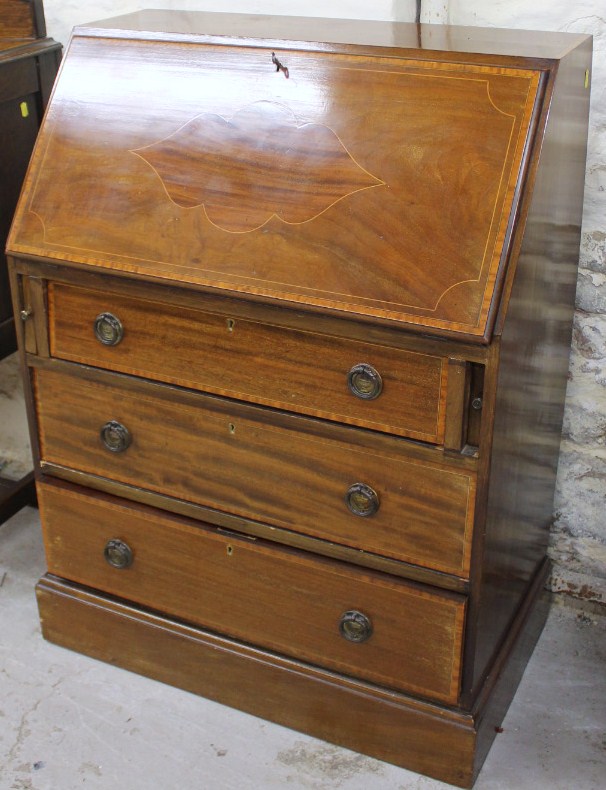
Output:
x,y
578,545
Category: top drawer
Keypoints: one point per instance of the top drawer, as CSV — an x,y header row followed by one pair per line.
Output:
x,y
364,384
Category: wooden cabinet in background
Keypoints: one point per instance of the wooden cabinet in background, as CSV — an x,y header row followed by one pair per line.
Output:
x,y
300,297
28,65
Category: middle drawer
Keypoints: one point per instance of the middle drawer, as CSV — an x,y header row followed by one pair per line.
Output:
x,y
340,484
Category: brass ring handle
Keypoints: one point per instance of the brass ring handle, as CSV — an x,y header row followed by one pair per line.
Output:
x,y
362,500
118,554
108,329
364,381
115,436
355,626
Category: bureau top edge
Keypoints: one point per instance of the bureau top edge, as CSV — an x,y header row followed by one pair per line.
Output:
x,y
326,33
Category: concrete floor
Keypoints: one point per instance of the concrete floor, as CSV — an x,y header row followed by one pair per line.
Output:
x,y
69,722
15,451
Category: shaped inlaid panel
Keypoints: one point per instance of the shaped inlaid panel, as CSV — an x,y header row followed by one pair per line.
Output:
x,y
372,186
277,168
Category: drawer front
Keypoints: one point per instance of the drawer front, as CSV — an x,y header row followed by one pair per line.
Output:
x,y
411,636
289,369
291,472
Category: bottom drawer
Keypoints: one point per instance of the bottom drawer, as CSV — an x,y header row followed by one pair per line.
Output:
x,y
357,622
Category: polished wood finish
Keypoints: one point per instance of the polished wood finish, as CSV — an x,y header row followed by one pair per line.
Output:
x,y
476,44
256,529
324,222
293,370
533,339
224,456
333,325
394,215
195,574
395,727
392,726
22,19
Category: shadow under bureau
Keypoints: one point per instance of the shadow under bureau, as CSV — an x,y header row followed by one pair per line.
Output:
x,y
298,298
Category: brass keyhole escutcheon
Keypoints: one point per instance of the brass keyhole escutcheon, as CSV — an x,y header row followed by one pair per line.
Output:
x,y
362,500
118,554
230,324
364,381
108,329
355,626
115,437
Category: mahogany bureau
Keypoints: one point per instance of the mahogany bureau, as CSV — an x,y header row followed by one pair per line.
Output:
x,y
298,298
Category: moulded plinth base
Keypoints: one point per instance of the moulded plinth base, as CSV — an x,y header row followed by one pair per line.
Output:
x,y
439,742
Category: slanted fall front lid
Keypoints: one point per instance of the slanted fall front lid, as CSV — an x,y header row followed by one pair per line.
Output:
x,y
375,185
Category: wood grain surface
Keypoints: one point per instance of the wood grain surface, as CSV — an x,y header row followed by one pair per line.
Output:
x,y
406,197
527,401
228,175
372,37
273,597
259,362
292,474
384,723
17,19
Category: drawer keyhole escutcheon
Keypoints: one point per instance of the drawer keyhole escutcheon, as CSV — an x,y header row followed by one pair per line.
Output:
x,y
118,554
355,626
362,500
115,436
230,324
108,329
364,381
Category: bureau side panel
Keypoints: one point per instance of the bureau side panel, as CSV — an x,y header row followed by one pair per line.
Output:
x,y
529,389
